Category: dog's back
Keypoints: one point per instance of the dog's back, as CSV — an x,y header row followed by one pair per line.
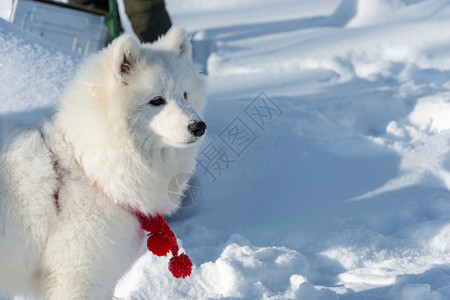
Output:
x,y
27,208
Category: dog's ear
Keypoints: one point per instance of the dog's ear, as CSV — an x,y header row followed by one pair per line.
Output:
x,y
177,42
125,50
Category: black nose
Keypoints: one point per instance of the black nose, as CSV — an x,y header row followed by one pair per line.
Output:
x,y
197,128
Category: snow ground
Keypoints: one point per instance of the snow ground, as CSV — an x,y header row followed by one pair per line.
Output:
x,y
329,124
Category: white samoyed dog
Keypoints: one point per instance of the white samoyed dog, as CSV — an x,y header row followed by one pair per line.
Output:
x,y
127,124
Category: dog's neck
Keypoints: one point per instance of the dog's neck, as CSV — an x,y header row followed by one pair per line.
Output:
x,y
129,179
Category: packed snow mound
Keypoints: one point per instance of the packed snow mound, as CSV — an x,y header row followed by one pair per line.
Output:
x,y
241,271
328,122
431,113
382,12
33,71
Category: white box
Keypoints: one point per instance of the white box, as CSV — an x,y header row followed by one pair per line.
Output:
x,y
76,28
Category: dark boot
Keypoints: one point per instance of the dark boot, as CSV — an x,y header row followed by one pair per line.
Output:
x,y
149,18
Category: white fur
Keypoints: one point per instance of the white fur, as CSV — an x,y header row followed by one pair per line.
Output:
x,y
115,152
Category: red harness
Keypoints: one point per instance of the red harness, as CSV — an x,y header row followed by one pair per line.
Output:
x,y
161,239
58,187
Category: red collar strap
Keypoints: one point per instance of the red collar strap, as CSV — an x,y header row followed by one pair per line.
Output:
x,y
161,240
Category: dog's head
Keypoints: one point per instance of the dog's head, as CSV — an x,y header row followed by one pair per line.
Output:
x,y
130,120
158,90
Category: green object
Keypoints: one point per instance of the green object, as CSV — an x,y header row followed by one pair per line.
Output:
x,y
112,21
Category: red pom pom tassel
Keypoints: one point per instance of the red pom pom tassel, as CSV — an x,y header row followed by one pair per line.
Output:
x,y
161,240
159,244
180,266
154,224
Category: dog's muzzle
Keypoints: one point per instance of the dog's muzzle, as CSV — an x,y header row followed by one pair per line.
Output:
x,y
197,128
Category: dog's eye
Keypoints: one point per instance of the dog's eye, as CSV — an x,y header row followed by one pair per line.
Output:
x,y
185,95
157,101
